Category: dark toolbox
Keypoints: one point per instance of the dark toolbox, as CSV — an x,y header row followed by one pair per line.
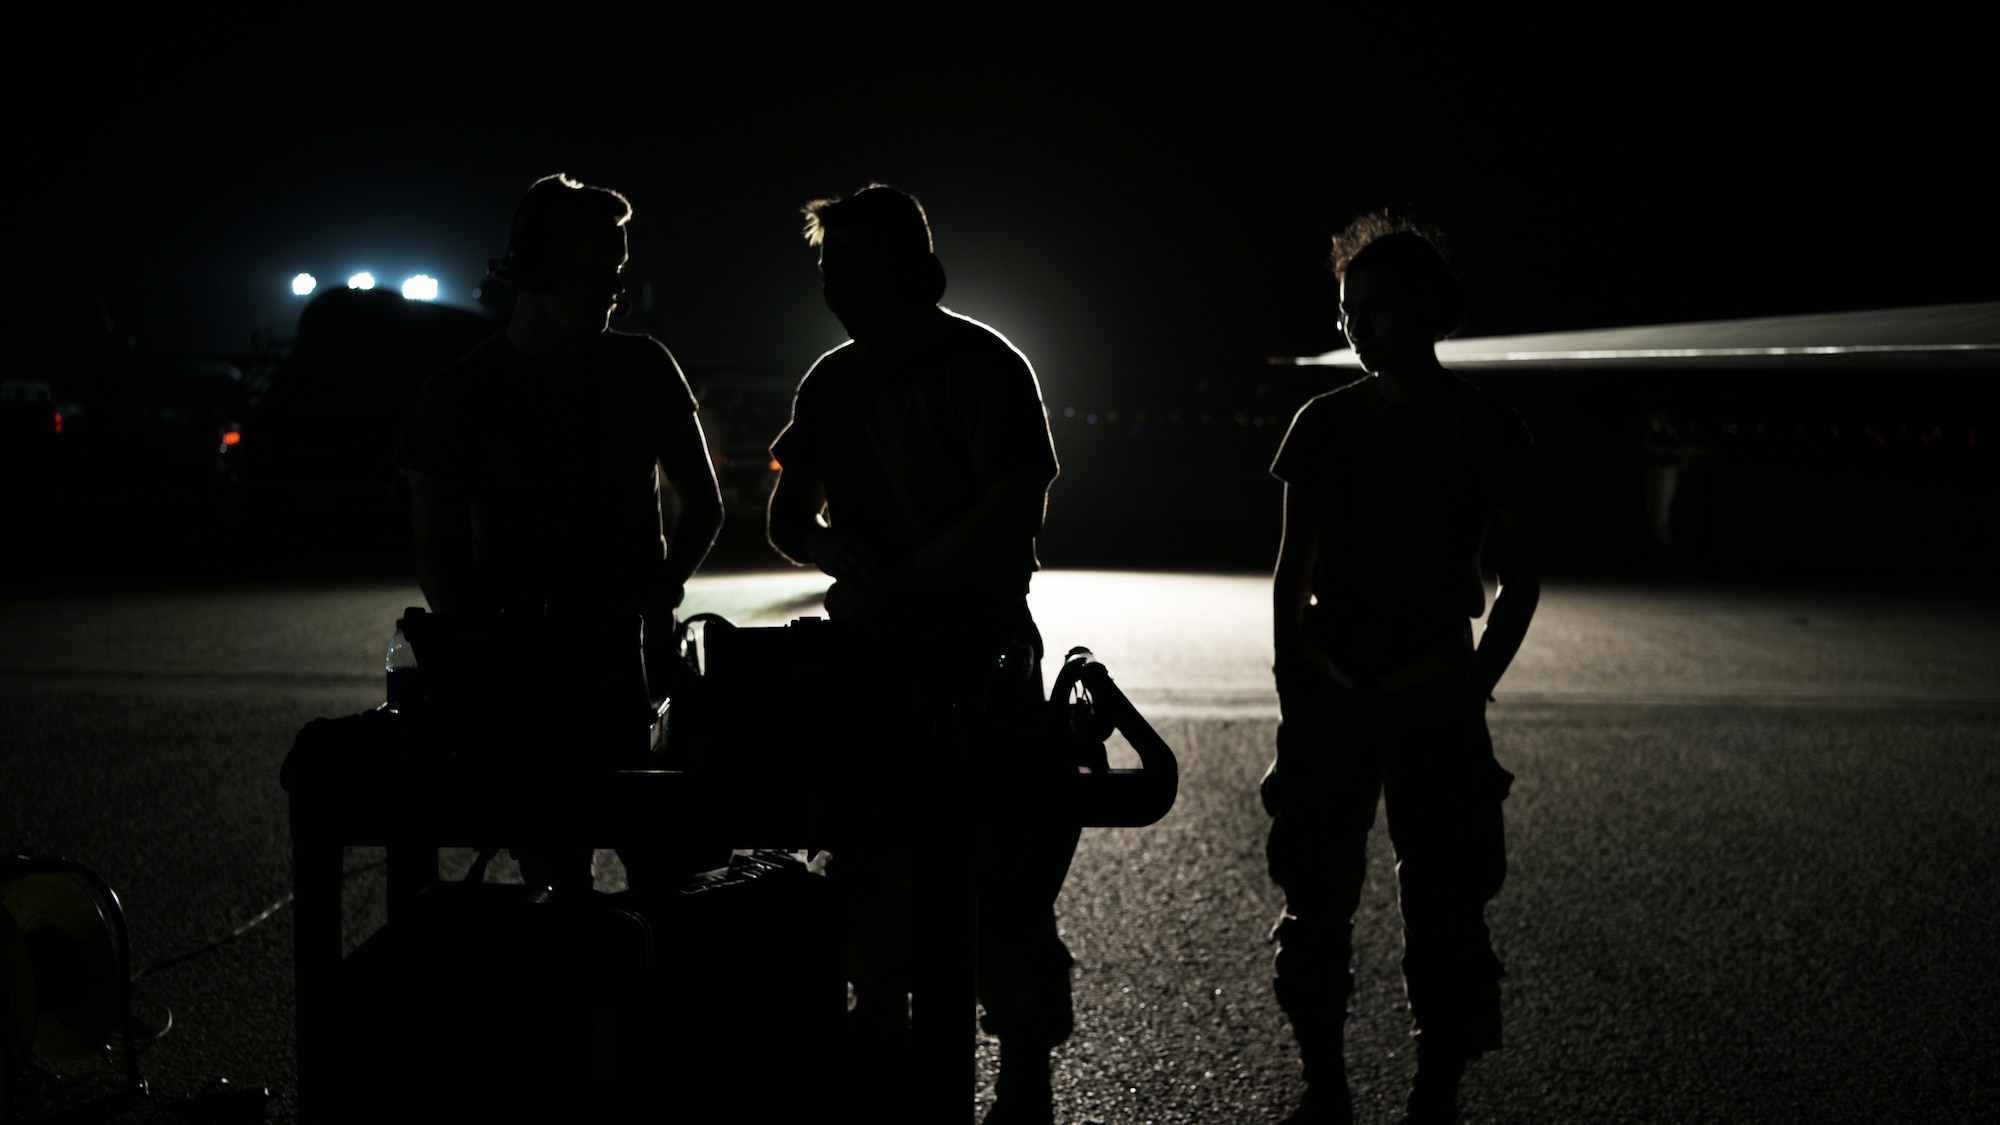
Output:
x,y
531,690
720,999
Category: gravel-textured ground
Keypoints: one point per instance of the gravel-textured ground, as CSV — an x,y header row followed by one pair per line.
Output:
x,y
1751,846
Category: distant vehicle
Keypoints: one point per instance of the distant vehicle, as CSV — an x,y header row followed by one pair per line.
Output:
x,y
31,422
140,436
312,461
742,413
159,413
28,410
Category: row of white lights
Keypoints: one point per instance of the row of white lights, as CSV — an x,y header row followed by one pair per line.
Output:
x,y
422,287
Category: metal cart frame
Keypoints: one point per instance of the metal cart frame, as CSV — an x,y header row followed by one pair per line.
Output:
x,y
414,811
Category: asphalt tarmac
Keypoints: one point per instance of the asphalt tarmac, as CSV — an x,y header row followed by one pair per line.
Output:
x,y
1751,846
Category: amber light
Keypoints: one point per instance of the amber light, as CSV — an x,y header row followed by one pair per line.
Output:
x,y
231,438
775,466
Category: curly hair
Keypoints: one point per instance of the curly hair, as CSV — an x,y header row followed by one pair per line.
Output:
x,y
1411,251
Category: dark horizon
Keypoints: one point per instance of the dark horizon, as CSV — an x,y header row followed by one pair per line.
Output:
x,y
1122,206
1144,214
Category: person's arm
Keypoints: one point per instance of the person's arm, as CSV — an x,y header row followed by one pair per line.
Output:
x,y
441,517
1514,544
798,531
689,472
793,512
1299,545
1291,583
795,522
1011,511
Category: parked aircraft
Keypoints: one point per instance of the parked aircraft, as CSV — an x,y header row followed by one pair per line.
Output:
x,y
1846,437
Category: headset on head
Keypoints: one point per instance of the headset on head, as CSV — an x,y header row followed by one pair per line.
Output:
x,y
527,266
532,263
532,267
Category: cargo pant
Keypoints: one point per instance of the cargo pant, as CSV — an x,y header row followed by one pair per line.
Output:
x,y
1017,856
1425,754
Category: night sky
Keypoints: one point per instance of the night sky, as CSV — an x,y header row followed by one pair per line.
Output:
x,y
1132,203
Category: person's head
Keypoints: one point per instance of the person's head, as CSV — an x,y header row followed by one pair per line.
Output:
x,y
565,251
1398,297
875,259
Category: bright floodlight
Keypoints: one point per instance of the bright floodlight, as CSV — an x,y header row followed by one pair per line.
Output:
x,y
362,280
420,288
303,284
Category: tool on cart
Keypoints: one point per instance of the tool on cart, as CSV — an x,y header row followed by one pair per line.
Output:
x,y
527,688
814,673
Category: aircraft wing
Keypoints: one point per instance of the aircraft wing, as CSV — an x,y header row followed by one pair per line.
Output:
x,y
1937,337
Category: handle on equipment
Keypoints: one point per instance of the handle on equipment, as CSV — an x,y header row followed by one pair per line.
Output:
x,y
1112,798
684,636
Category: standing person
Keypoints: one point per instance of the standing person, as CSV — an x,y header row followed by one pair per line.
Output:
x,y
916,470
535,461
1397,487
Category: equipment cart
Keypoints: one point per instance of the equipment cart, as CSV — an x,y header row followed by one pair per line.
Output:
x,y
405,783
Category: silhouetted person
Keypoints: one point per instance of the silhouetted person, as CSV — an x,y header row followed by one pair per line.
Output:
x,y
915,471
535,461
1396,488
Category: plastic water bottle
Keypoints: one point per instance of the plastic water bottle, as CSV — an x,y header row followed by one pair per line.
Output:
x,y
401,665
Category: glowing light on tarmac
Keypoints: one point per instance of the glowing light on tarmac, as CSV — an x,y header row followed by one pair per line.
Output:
x,y
303,284
362,280
1198,645
1179,644
421,288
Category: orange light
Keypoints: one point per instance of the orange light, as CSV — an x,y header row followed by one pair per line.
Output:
x,y
231,438
775,467
59,421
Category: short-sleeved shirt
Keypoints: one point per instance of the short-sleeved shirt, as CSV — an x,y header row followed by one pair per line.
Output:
x,y
560,461
907,442
1406,495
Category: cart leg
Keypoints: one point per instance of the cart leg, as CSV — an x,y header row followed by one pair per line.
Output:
x,y
316,967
